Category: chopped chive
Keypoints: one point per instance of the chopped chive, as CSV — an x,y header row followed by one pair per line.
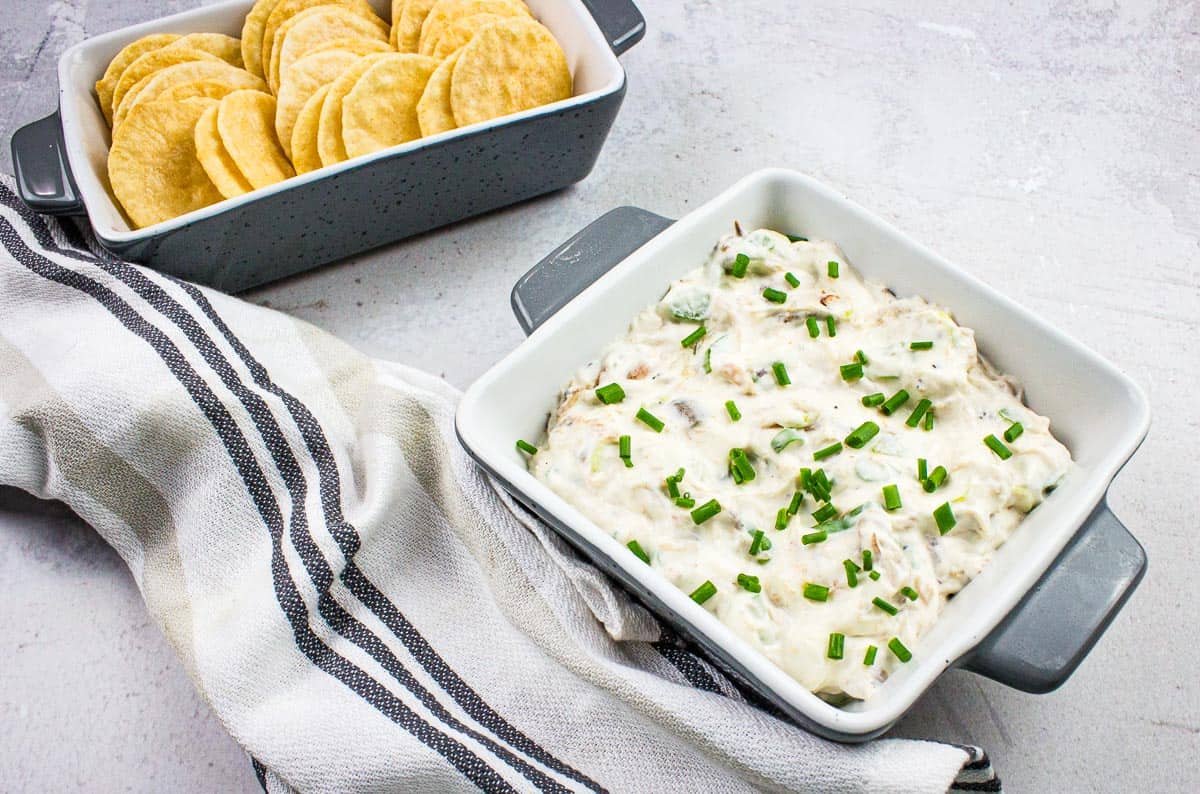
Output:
x,y
708,360
786,436
851,572
795,238
628,462
774,295
791,279
650,420
921,346
814,330
749,583
897,647
797,500
760,543
918,413
928,421
922,469
825,513
526,447
625,448
831,268
612,393
673,488
814,537
781,373
997,446
706,511
861,435
885,606
638,551
831,325
828,452
694,337
679,475
891,497
909,593
782,518
872,400
935,479
732,410
851,372
892,403
739,466
944,517
816,592
740,263
869,656
686,502
704,592
1013,432
861,357
806,478
868,560
874,576
837,646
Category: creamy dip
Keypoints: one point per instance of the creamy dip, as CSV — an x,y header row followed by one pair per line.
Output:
x,y
801,384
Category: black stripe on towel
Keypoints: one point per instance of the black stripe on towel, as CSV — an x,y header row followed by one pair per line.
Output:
x,y
260,772
357,582
345,534
290,601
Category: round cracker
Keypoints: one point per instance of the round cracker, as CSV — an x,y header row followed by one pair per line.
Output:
x,y
199,89
381,110
329,133
304,78
286,9
433,111
214,157
116,67
356,46
252,35
445,12
246,123
408,27
397,10
313,27
305,155
152,166
227,48
152,85
508,67
459,33
150,63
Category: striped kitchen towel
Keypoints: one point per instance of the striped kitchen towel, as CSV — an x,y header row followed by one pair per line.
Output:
x,y
358,604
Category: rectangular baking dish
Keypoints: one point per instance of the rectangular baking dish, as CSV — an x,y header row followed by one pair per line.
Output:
x,y
60,161
1050,591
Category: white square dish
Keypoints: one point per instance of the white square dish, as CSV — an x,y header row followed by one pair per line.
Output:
x,y
1050,591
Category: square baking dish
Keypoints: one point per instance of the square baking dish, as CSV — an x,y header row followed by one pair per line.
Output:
x,y
61,161
1049,592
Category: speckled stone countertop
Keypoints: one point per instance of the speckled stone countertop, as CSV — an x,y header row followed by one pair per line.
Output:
x,y
1053,149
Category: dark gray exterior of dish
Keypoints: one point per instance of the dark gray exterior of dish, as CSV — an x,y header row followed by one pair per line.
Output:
x,y
1035,649
365,206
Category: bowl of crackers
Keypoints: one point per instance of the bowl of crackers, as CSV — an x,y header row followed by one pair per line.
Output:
x,y
247,141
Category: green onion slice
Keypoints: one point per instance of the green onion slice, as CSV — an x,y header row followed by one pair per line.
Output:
x,y
816,592
891,497
944,517
694,337
637,549
791,279
909,593
861,357
782,518
1013,432
650,420
897,647
837,646
851,572
610,394
814,330
760,543
921,346
704,592
706,511
814,537
885,606
781,373
824,513
784,437
869,656
893,403
686,502
997,446
797,500
935,479
872,400
828,452
526,447
831,268
748,582
874,576
831,325
774,295
740,263
868,560
861,435
732,409
852,372
922,469
915,417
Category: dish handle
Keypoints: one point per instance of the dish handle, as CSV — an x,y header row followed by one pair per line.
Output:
x,y
1049,633
569,269
620,21
43,175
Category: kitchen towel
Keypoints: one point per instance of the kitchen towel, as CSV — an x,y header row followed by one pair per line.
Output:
x,y
360,606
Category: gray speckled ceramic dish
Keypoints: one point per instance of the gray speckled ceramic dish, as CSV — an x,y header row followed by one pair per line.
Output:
x,y
298,224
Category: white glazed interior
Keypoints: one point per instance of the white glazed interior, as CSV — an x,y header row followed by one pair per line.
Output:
x,y
1099,413
595,69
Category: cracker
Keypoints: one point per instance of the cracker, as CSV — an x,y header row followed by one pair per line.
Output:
x,y
434,113
215,159
116,67
381,110
508,67
245,120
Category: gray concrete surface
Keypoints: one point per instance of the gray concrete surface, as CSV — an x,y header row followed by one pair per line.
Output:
x,y
1051,148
